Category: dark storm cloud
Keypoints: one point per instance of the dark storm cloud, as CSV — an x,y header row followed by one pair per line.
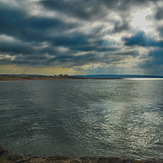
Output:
x,y
79,32
75,39
141,40
16,23
123,4
153,64
90,58
78,60
81,9
15,48
79,41
128,53
26,60
120,27
159,13
91,9
157,56
160,29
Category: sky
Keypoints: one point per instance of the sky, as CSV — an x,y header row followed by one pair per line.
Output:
x,y
81,37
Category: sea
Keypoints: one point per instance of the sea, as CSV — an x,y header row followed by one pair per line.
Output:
x,y
83,117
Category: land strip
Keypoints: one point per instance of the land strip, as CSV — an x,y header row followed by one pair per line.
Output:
x,y
8,157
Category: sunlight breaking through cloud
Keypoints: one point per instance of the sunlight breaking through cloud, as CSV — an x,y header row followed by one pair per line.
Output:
x,y
76,34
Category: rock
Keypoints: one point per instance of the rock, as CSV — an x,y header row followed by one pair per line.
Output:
x,y
54,158
8,157
15,157
3,151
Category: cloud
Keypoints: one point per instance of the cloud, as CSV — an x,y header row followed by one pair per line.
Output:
x,y
160,29
153,64
80,9
140,39
94,58
156,56
18,24
79,33
15,47
118,27
159,13
90,9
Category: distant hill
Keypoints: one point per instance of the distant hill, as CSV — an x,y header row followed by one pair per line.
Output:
x,y
118,76
6,77
13,77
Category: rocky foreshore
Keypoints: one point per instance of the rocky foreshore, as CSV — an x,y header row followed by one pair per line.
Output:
x,y
9,157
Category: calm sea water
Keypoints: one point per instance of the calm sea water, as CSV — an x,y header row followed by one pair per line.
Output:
x,y
121,118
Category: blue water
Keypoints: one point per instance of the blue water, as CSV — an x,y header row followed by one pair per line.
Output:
x,y
120,118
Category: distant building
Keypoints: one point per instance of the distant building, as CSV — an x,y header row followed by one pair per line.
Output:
x,y
60,75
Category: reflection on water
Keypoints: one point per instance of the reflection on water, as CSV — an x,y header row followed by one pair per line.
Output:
x,y
121,118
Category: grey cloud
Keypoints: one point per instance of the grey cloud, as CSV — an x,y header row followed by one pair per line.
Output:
x,y
153,64
93,58
33,32
15,48
75,39
94,48
140,39
120,27
156,56
133,53
82,8
160,29
16,23
88,9
159,13
117,57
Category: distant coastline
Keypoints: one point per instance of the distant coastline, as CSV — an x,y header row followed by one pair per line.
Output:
x,y
42,77
36,77
14,77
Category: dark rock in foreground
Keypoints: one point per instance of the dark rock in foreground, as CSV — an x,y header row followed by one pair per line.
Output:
x,y
8,157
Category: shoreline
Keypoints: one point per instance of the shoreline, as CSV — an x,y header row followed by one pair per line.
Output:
x,y
9,157
22,78
62,77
